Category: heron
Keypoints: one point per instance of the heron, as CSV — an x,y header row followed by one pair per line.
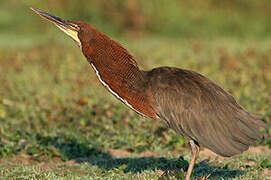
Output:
x,y
186,101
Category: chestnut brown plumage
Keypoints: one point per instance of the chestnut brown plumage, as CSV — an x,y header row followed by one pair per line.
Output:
x,y
186,101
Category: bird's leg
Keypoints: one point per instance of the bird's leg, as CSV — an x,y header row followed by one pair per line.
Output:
x,y
195,153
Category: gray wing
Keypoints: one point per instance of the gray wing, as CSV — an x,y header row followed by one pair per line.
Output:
x,y
198,109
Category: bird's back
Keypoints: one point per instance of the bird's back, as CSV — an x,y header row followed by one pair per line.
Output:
x,y
200,110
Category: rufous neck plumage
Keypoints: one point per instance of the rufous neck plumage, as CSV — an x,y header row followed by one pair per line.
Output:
x,y
116,69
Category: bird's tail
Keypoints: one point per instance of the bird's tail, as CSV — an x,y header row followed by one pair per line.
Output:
x,y
246,131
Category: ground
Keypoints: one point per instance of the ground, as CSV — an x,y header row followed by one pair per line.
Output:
x,y
57,121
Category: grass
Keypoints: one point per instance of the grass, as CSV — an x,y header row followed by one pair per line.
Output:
x,y
86,169
58,122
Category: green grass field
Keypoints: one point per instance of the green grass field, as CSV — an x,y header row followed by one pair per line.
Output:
x,y
58,122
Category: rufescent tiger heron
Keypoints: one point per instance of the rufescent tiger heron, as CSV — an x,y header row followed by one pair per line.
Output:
x,y
186,101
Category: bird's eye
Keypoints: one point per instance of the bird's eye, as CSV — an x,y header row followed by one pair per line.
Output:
x,y
75,26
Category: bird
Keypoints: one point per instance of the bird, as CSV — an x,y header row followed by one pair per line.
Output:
x,y
186,101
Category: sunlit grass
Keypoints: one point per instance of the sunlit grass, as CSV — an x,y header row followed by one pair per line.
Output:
x,y
52,106
57,121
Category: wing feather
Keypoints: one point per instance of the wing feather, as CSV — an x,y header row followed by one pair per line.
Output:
x,y
198,109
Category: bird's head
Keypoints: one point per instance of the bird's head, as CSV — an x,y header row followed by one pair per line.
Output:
x,y
78,31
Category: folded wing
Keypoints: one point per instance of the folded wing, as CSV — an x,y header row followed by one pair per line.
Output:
x,y
200,110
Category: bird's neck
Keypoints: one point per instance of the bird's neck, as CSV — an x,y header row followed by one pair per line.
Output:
x,y
118,72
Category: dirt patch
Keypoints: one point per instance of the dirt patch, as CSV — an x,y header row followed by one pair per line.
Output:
x,y
28,160
147,154
44,164
71,162
267,172
210,154
250,163
256,150
259,150
19,159
119,153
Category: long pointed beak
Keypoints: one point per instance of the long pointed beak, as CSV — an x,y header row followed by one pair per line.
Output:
x,y
66,26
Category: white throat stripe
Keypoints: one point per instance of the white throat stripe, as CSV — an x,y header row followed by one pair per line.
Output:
x,y
114,93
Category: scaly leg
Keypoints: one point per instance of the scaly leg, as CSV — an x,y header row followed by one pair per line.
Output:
x,y
195,153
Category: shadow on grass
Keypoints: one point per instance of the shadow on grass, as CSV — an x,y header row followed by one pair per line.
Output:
x,y
139,164
71,149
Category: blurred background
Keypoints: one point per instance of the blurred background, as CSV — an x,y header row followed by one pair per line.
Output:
x,y
177,19
47,87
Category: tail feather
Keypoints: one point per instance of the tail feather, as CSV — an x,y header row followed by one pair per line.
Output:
x,y
245,132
